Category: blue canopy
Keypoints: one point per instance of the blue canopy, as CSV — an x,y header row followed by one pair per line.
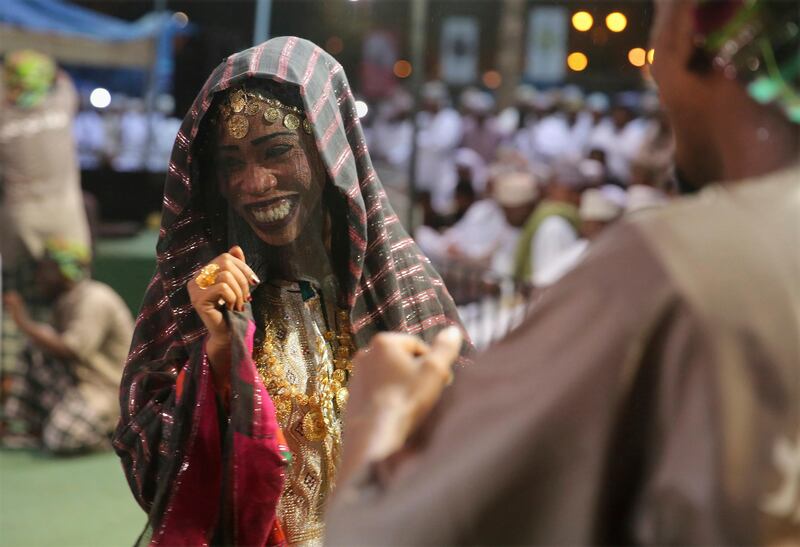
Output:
x,y
61,17
75,29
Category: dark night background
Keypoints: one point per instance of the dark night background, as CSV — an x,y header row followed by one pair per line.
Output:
x,y
224,27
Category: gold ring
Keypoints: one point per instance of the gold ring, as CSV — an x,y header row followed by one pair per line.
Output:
x,y
207,276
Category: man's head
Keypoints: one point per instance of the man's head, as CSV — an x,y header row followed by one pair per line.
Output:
x,y
525,97
64,264
624,109
477,104
267,164
28,76
598,105
516,192
566,183
572,102
712,57
434,96
464,196
599,208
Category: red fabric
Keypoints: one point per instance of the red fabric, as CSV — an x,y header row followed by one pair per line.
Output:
x,y
256,488
193,511
179,383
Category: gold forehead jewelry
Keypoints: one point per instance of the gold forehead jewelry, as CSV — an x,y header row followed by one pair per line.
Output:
x,y
271,114
238,126
207,275
243,102
291,121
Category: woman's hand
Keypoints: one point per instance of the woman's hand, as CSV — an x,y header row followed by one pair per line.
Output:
x,y
228,286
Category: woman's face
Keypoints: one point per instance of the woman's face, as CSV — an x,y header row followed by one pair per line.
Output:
x,y
273,178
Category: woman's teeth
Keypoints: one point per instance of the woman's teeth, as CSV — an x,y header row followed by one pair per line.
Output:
x,y
273,212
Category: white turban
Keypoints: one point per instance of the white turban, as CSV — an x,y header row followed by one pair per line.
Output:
x,y
596,206
516,188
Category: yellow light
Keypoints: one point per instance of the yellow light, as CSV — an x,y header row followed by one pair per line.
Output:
x,y
334,45
637,56
651,56
616,22
402,69
577,61
492,79
582,21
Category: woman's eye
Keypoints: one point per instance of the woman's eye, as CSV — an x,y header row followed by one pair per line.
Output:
x,y
277,150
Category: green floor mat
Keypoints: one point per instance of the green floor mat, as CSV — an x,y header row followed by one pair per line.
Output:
x,y
127,265
82,501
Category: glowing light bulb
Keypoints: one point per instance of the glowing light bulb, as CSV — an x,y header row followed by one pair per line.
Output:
x,y
637,56
100,97
361,109
616,22
492,79
577,61
582,21
402,69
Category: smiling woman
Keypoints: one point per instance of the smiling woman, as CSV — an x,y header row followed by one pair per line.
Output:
x,y
279,256
268,167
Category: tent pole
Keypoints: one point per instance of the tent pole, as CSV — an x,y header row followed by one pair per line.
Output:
x,y
419,9
262,20
159,6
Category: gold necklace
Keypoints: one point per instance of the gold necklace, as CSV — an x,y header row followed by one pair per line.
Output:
x,y
329,392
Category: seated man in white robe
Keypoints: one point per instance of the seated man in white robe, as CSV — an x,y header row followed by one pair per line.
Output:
x,y
600,207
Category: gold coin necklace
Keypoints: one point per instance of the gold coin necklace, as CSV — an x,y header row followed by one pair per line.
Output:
x,y
329,394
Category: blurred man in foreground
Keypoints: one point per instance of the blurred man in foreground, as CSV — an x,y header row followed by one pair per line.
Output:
x,y
65,397
653,397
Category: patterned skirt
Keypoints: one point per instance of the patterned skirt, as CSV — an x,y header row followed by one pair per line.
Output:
x,y
45,402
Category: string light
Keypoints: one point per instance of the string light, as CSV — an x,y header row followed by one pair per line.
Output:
x,y
361,109
100,97
334,45
582,21
616,21
577,61
637,56
492,79
402,69
651,56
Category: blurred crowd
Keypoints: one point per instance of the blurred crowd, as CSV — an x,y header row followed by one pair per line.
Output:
x,y
520,192
124,136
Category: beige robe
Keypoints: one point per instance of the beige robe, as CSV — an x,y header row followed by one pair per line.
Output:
x,y
652,397
39,175
97,326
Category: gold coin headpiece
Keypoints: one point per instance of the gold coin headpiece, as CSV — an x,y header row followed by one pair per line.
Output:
x,y
241,105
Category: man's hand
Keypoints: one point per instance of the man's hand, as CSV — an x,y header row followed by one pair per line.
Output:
x,y
397,381
13,302
41,335
454,251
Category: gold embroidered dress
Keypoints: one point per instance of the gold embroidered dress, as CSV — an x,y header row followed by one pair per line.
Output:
x,y
305,367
